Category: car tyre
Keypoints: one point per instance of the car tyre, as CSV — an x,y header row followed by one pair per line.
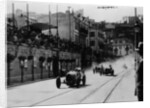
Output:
x,y
84,80
58,82
112,73
78,83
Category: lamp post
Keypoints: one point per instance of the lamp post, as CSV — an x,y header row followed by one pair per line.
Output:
x,y
70,38
27,7
48,59
57,25
135,12
13,15
57,34
135,34
89,43
49,21
9,57
69,24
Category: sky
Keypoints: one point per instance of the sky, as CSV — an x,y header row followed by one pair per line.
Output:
x,y
108,15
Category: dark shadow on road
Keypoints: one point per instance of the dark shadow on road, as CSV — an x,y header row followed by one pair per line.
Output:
x,y
110,75
81,86
75,87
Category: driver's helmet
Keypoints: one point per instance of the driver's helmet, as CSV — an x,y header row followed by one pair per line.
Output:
x,y
110,66
78,69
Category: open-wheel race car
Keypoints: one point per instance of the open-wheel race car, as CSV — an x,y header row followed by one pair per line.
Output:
x,y
109,71
74,77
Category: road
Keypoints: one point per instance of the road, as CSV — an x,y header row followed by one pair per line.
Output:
x,y
98,89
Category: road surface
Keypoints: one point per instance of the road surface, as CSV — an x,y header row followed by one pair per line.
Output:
x,y
98,89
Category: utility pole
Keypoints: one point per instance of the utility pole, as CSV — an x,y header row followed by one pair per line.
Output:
x,y
135,12
49,21
69,24
13,15
70,39
135,35
27,18
8,55
89,43
57,23
57,34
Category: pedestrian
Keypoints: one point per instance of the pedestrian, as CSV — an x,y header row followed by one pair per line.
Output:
x,y
139,74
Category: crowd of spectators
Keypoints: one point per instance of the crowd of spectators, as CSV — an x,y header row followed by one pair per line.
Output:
x,y
26,36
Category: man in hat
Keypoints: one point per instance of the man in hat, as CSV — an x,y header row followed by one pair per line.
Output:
x,y
139,74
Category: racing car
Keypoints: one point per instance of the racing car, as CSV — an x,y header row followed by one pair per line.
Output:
x,y
74,77
109,71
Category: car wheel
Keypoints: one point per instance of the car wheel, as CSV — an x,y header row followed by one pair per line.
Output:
x,y
112,73
84,80
78,83
58,82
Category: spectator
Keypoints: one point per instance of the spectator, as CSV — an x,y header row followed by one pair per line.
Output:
x,y
139,75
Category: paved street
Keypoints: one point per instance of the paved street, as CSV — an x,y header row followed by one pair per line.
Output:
x,y
98,89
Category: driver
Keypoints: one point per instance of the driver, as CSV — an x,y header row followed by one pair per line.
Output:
x,y
110,67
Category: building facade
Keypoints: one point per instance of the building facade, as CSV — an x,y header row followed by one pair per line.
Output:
x,y
95,39
122,46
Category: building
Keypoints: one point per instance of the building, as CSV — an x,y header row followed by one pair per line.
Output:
x,y
70,26
122,46
110,30
96,39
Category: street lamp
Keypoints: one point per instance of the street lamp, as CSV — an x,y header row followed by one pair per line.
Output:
x,y
13,15
57,34
27,7
135,13
70,38
69,24
49,21
57,23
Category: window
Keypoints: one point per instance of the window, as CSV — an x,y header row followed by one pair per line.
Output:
x,y
92,34
92,43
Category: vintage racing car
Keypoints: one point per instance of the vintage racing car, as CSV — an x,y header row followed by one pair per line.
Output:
x,y
104,70
73,78
109,71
